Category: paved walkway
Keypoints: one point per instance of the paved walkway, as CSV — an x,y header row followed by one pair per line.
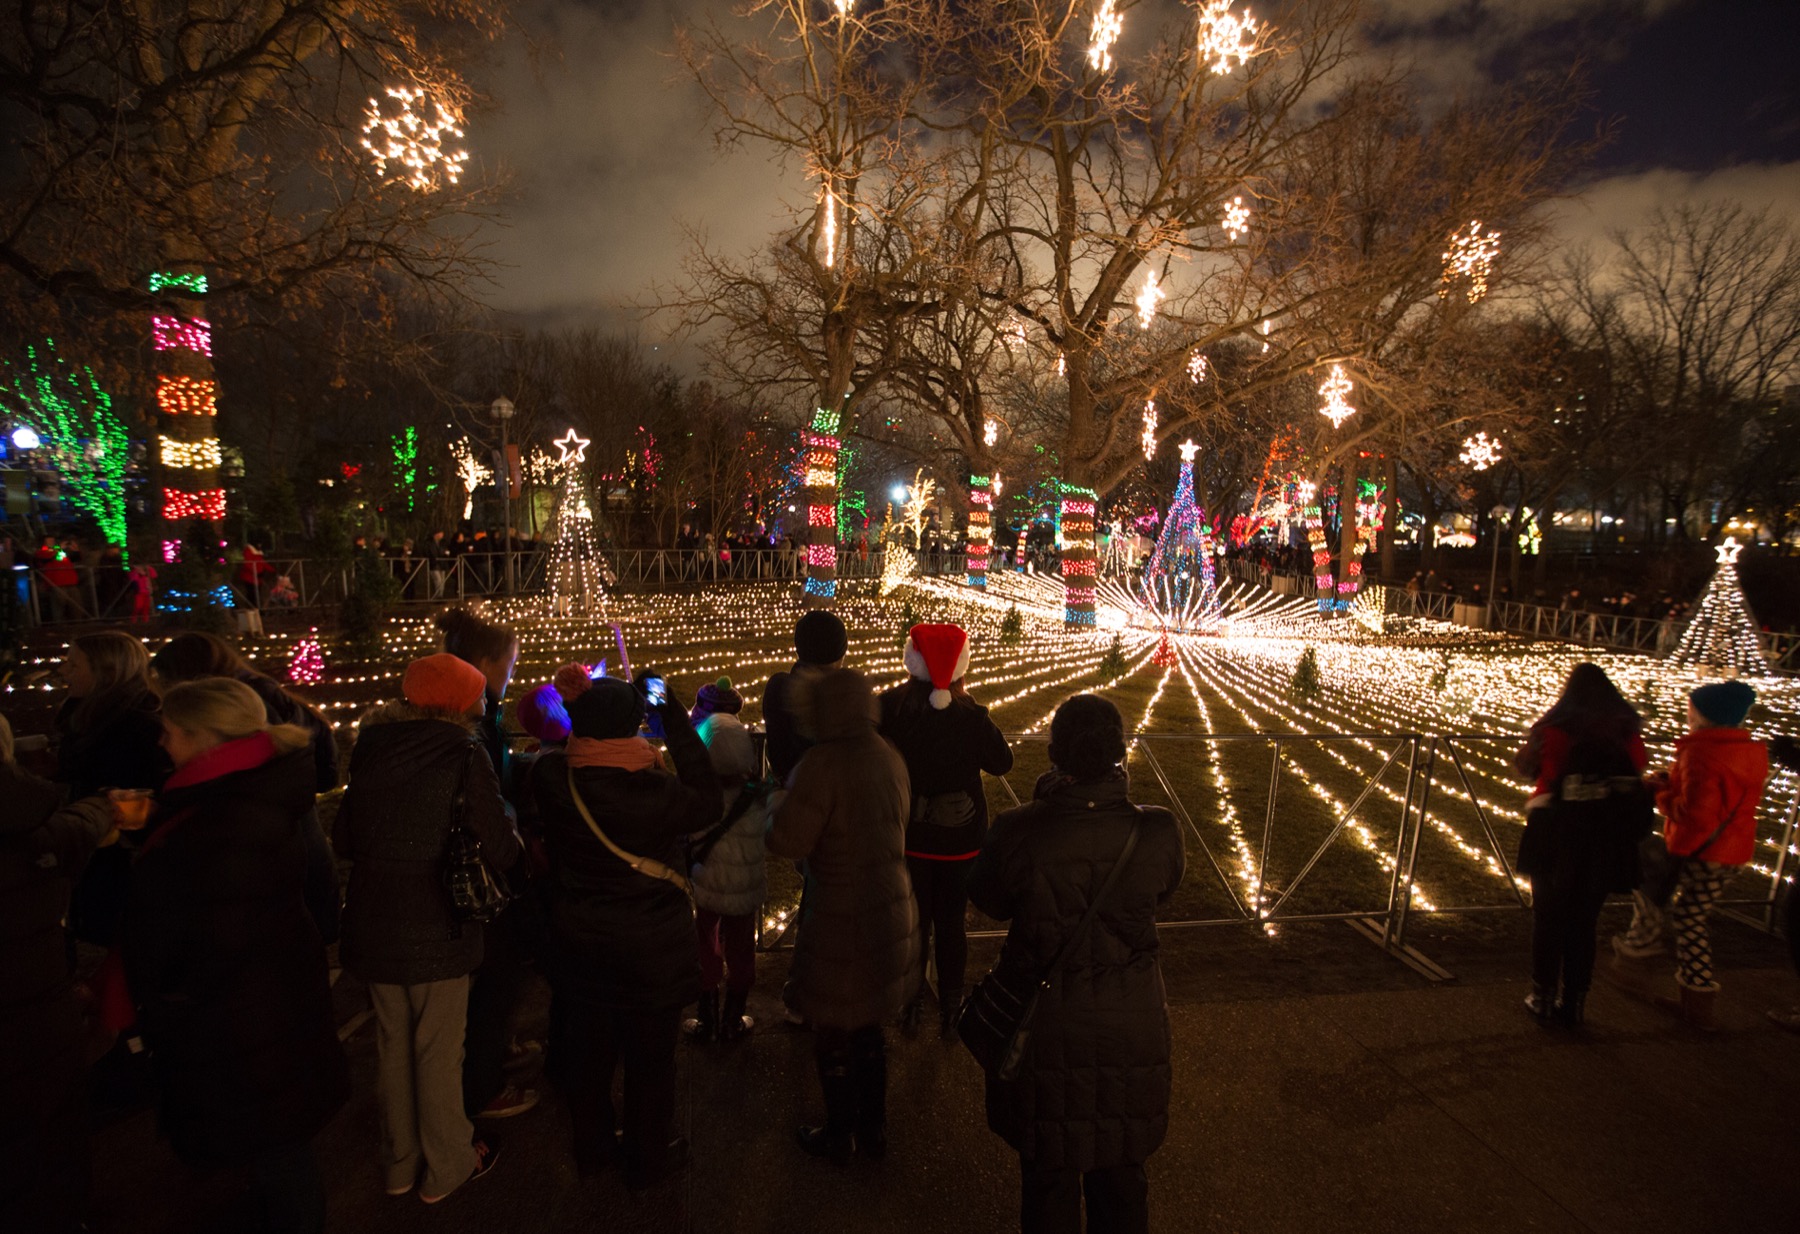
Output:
x,y
1400,1106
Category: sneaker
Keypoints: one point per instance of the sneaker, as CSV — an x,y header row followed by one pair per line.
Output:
x,y
486,1154
511,1100
406,1190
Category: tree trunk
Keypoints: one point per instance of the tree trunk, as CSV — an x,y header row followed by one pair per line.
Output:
x,y
820,492
981,530
1349,562
1080,565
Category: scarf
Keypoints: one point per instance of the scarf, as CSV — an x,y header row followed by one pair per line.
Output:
x,y
239,754
625,753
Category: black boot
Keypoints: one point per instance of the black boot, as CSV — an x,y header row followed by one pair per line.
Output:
x,y
1541,1003
1572,1010
869,1054
835,1138
949,1008
733,1023
704,1027
911,1014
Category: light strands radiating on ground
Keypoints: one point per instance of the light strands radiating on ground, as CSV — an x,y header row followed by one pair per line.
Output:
x,y
1470,257
411,129
1236,220
1223,36
1480,451
1149,296
1148,437
1109,23
1335,391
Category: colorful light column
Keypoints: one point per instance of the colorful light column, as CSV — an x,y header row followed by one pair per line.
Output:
x,y
981,529
1080,565
188,452
820,445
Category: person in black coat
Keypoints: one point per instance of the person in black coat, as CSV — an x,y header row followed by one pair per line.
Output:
x,y
819,644
223,958
1091,1100
417,769
624,956
110,738
193,655
43,1145
947,741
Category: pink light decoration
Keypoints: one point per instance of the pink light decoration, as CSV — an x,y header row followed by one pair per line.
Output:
x,y
1079,595
181,333
821,556
171,551
1074,506
1080,567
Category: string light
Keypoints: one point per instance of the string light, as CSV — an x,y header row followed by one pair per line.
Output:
x,y
1148,436
1470,256
823,447
1721,639
576,568
1481,451
1223,37
471,471
1078,506
412,129
188,282
189,455
981,531
828,223
1109,23
307,668
1178,580
1336,389
1237,218
990,431
208,504
1149,296
1196,367
186,396
173,333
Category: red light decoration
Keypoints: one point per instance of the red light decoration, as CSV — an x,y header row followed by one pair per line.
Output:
x,y
208,504
186,396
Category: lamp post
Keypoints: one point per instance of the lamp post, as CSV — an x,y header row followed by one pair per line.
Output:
x,y
503,410
1493,567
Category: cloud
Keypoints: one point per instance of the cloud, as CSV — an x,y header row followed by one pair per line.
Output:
x,y
1625,201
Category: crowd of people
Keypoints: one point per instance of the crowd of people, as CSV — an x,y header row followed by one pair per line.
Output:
x,y
624,855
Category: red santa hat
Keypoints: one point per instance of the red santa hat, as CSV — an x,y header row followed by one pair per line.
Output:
x,y
938,653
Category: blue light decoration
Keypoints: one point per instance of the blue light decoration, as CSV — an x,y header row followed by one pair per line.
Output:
x,y
825,588
174,601
1179,584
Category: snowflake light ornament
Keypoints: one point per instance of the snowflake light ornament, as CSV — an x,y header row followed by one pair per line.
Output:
x,y
1109,23
990,431
1470,256
1149,296
1148,437
1196,367
1237,218
412,129
1223,37
1481,451
1336,389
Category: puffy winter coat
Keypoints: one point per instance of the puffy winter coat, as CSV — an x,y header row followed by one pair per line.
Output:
x,y
393,826
856,958
784,701
324,898
1094,1089
1717,778
620,938
227,967
734,878
43,847
945,752
1590,813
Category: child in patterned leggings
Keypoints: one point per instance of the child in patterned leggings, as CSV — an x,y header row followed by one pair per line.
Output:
x,y
1708,800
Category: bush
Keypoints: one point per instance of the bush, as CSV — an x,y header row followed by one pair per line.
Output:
x,y
1305,685
1012,627
373,593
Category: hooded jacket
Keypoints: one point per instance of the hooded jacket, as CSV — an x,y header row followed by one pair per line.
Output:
x,y
393,826
1717,778
856,959
1094,1089
734,878
228,969
620,938
945,752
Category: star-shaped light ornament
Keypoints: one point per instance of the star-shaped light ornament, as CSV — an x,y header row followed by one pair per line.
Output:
x,y
1188,451
1728,551
574,449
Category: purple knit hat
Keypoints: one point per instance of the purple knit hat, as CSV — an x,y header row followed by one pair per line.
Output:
x,y
716,699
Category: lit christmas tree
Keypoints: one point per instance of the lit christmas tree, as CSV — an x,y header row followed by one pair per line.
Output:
x,y
307,668
1721,637
577,583
1178,575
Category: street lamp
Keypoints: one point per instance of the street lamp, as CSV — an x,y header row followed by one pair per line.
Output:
x,y
1493,567
503,411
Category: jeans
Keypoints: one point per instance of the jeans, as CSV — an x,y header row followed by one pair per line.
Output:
x,y
492,999
289,1194
727,945
1118,1200
942,891
1565,917
590,1042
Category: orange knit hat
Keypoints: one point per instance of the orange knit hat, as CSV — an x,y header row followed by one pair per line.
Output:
x,y
443,682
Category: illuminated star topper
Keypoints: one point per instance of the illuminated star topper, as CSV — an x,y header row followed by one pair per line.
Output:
x,y
1728,551
574,449
1188,451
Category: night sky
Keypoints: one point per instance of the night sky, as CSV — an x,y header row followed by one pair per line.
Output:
x,y
610,154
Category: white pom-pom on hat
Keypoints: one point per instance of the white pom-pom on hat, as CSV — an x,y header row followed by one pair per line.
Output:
x,y
938,653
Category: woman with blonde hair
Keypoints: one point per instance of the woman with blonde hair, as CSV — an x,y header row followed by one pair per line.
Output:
x,y
109,738
223,959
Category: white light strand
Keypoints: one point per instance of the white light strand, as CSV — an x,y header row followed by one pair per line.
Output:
x,y
1109,23
1148,437
1149,296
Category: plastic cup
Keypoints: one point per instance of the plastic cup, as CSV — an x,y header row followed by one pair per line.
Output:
x,y
131,808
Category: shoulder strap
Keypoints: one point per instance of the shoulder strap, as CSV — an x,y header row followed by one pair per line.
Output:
x,y
1093,908
647,866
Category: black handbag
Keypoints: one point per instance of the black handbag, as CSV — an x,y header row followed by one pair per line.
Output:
x,y
995,1023
477,893
1662,869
